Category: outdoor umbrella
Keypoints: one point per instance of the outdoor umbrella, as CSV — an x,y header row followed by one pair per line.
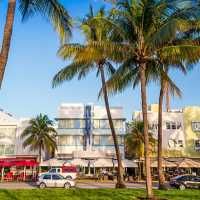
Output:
x,y
165,163
188,163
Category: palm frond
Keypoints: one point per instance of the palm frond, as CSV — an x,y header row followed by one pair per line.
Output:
x,y
69,72
52,10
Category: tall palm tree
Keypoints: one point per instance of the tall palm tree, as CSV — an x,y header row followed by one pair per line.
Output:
x,y
165,85
86,58
148,28
128,75
134,142
40,135
50,9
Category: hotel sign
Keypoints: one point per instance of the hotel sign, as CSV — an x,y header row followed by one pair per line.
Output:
x,y
196,126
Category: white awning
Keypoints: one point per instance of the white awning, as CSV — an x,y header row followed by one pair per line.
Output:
x,y
127,163
52,163
79,162
103,163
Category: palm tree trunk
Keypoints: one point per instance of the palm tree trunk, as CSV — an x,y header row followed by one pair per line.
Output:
x,y
40,157
167,98
139,170
142,69
161,177
8,28
120,182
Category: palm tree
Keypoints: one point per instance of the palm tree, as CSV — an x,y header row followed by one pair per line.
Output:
x,y
125,76
87,58
147,29
51,9
134,142
40,135
165,85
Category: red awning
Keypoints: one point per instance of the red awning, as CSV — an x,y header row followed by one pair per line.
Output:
x,y
18,163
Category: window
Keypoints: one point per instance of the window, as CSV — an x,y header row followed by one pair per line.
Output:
x,y
79,140
106,140
178,125
184,178
1,149
56,177
110,140
104,123
52,170
70,140
120,140
118,123
196,126
173,125
96,140
7,149
71,123
168,126
197,144
180,143
96,123
7,132
47,177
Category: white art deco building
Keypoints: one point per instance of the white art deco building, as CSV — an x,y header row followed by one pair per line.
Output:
x,y
84,134
10,141
173,127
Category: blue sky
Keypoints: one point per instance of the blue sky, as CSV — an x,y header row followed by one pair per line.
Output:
x,y
26,89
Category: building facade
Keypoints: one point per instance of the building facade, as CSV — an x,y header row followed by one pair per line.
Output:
x,y
191,117
84,132
173,129
11,144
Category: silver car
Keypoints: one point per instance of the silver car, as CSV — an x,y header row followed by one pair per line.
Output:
x,y
54,180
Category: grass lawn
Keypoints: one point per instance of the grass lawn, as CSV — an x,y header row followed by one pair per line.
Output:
x,y
94,194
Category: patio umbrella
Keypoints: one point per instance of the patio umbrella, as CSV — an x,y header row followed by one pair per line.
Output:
x,y
126,163
165,163
188,163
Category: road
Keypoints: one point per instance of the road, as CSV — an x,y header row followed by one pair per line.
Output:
x,y
85,185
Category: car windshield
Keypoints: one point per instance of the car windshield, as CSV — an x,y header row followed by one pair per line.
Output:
x,y
52,170
57,177
177,177
46,176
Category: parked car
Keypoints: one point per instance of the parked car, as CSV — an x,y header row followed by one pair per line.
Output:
x,y
54,180
185,181
69,172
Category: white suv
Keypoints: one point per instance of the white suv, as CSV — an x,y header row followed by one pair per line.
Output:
x,y
54,180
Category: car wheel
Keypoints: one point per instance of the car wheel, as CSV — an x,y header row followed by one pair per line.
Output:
x,y
42,185
182,187
67,185
68,177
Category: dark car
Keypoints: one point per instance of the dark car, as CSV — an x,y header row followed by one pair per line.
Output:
x,y
185,181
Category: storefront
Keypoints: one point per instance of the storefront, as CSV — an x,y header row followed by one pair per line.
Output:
x,y
18,169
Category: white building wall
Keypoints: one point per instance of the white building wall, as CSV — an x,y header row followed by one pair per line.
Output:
x,y
171,137
77,111
10,136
